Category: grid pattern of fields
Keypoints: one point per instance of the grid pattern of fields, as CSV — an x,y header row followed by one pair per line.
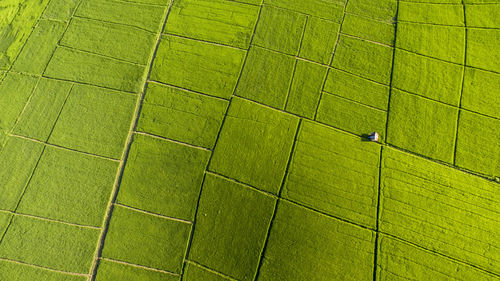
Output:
x,y
218,140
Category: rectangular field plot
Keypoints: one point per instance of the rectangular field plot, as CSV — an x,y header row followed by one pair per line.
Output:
x,y
442,42
401,261
112,271
21,272
225,22
18,159
306,245
69,186
231,227
182,115
441,209
50,244
87,68
334,172
198,66
355,88
480,92
262,138
363,58
266,77
478,143
109,39
163,177
351,116
422,126
146,240
125,12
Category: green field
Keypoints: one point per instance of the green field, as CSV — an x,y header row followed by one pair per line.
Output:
x,y
227,140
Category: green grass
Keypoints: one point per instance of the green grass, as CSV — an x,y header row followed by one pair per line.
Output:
x,y
69,187
301,248
260,135
306,87
111,271
198,66
428,77
231,214
227,140
22,272
257,85
440,208
412,126
17,18
163,177
182,115
94,120
49,244
32,59
146,240
341,180
281,30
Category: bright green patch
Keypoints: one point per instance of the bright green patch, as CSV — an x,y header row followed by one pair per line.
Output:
x,y
124,12
219,21
369,29
478,143
280,30
194,272
351,116
428,77
306,88
401,261
358,89
440,209
266,77
43,109
109,39
112,271
331,9
367,59
422,126
481,92
378,9
483,15
50,244
442,14
334,172
437,41
320,37
20,272
95,120
181,115
60,10
198,66
305,245
146,240
482,48
18,159
38,49
17,19
15,91
254,145
163,177
5,219
69,186
231,214
87,68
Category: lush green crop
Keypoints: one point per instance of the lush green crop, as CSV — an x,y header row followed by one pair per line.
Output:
x,y
229,140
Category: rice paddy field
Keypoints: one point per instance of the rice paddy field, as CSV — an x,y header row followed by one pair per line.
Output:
x,y
227,140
